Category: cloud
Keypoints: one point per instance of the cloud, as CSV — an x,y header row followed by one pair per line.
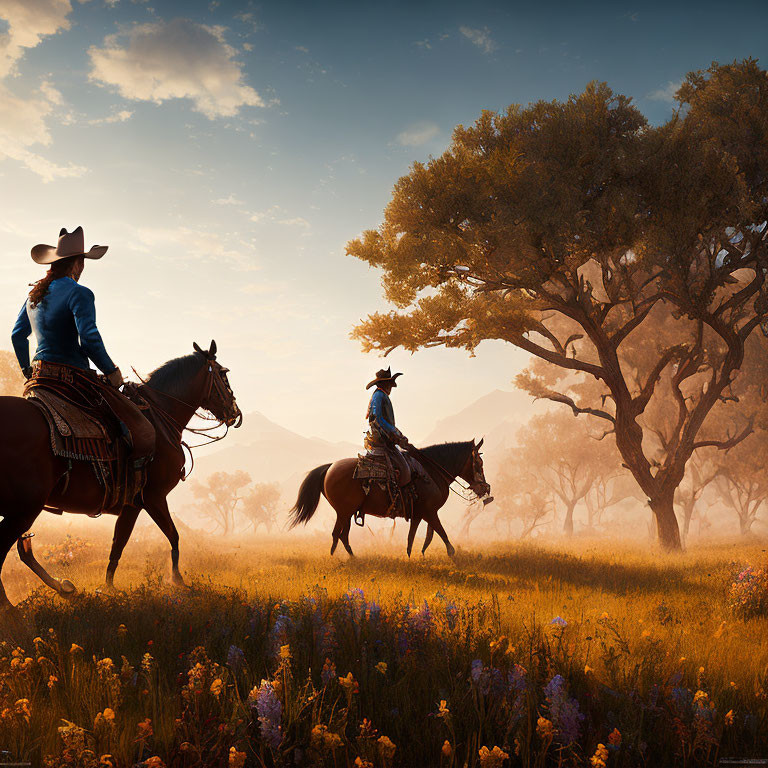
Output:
x,y
418,134
117,116
667,93
29,21
480,37
177,59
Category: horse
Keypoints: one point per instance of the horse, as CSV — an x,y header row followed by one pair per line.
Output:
x,y
442,463
32,478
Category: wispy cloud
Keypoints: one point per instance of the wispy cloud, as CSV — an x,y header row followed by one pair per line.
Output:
x,y
481,37
117,116
667,93
417,134
178,59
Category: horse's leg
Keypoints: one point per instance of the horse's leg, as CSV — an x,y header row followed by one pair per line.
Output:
x,y
433,520
345,536
124,524
415,520
11,528
157,509
428,538
336,532
63,586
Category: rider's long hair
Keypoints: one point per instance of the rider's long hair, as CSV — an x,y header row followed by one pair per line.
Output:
x,y
61,268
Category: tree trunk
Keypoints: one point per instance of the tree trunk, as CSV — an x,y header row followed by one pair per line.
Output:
x,y
666,522
568,523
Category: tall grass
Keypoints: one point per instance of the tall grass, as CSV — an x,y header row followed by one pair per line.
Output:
x,y
280,655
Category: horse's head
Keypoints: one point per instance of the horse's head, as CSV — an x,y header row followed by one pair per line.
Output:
x,y
219,399
472,472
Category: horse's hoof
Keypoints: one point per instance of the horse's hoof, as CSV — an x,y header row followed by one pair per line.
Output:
x,y
66,588
179,583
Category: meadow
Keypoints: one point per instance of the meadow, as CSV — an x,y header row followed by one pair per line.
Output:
x,y
595,654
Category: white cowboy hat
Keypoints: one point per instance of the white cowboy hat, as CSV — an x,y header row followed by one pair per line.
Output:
x,y
70,244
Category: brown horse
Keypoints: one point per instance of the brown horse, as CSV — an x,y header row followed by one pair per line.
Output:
x,y
33,478
442,463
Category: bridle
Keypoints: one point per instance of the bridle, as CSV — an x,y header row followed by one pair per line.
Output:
x,y
216,381
478,476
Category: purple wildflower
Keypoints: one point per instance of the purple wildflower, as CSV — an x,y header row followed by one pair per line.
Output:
x,y
270,711
564,712
559,621
235,658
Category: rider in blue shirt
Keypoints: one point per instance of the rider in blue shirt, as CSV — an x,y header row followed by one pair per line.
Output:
x,y
62,315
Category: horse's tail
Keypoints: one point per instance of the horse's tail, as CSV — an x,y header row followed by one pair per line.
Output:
x,y
309,496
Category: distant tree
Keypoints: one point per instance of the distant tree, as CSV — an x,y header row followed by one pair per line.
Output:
x,y
259,505
218,496
11,380
700,473
522,495
578,214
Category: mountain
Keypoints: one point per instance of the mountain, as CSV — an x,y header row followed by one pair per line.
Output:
x,y
496,416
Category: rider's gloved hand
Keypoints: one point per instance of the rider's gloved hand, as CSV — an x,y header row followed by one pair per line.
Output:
x,y
115,378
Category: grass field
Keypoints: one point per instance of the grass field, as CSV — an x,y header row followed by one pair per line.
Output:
x,y
598,654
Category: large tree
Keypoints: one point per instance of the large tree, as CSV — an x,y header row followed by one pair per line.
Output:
x,y
580,215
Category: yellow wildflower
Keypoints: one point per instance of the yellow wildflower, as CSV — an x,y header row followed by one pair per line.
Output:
x,y
154,762
492,758
75,649
217,686
544,728
107,761
442,710
285,652
381,667
701,698
386,748
360,763
144,730
587,669
236,759
447,750
122,630
22,708
729,717
600,758
52,680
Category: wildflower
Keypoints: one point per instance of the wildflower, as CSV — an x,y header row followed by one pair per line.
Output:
x,y
447,750
349,684
600,758
285,652
144,730
106,761
442,710
236,759
122,630
360,763
329,672
21,707
147,662
614,739
701,698
587,669
381,667
564,711
217,687
492,758
367,731
154,762
52,680
105,718
235,658
270,711
729,717
558,621
73,736
75,649
544,728
386,748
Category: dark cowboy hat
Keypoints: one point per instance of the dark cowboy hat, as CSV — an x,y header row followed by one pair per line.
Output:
x,y
70,244
384,376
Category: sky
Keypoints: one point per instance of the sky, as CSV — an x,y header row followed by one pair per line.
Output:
x,y
227,151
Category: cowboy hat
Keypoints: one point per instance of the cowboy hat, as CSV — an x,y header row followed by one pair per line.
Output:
x,y
384,376
70,244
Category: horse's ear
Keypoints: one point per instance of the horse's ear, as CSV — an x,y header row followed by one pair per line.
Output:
x,y
480,444
196,347
212,350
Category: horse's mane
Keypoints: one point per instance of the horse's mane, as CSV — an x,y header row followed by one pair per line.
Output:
x,y
450,456
171,377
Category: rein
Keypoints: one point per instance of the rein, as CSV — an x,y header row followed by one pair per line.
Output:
x,y
451,479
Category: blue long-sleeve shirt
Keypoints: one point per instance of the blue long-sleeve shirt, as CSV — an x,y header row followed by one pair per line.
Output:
x,y
64,323
381,412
